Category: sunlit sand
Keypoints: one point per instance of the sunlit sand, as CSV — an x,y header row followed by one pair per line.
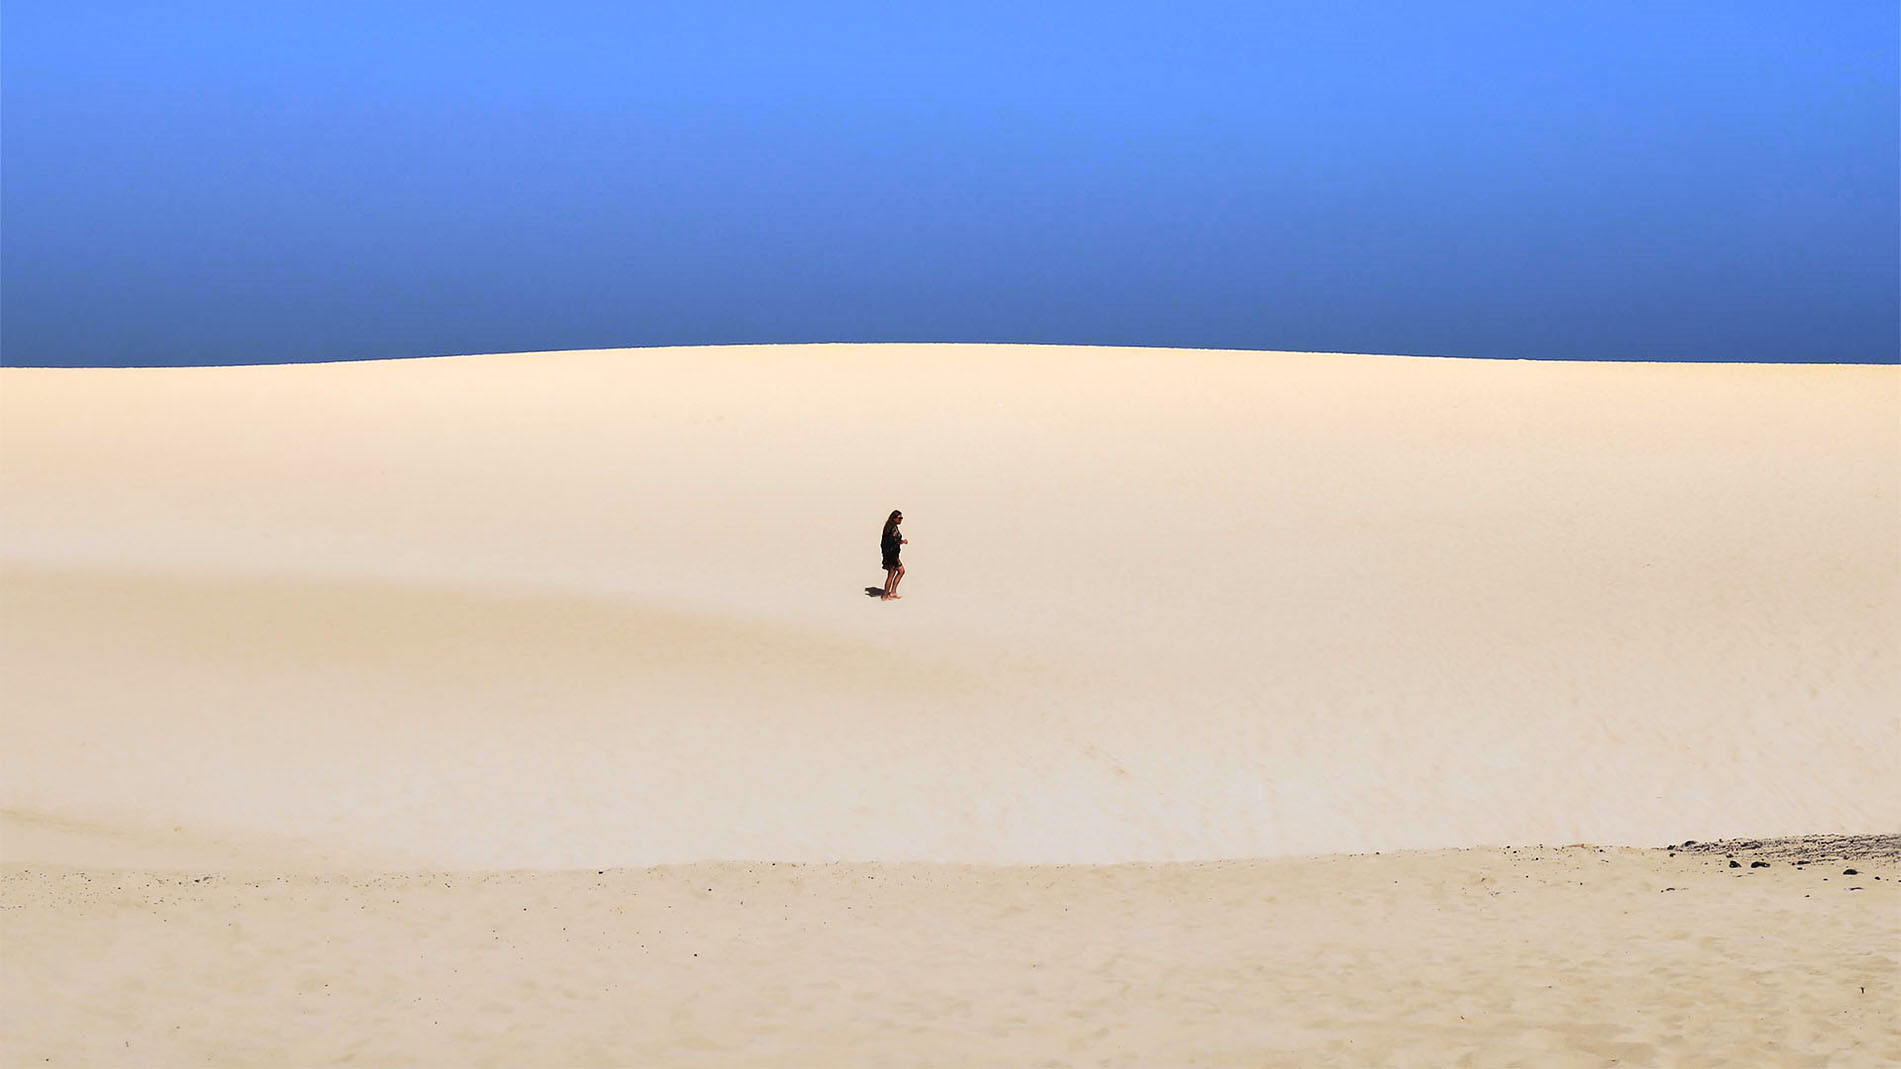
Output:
x,y
441,710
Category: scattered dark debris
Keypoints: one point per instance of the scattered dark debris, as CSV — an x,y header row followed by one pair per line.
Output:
x,y
1802,849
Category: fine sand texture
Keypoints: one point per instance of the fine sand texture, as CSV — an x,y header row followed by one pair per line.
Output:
x,y
1580,956
439,711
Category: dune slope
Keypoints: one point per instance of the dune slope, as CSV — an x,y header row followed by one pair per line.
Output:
x,y
598,609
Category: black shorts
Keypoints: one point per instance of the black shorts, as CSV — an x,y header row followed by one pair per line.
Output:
x,y
890,563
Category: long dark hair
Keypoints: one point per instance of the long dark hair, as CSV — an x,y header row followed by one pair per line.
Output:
x,y
891,521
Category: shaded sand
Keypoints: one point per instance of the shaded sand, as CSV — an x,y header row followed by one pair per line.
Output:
x,y
606,608
1563,957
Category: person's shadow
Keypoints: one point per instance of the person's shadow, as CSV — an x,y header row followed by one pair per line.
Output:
x,y
874,591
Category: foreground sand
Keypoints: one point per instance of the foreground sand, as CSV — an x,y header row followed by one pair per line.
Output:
x,y
1547,957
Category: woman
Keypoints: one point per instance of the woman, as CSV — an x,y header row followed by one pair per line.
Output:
x,y
890,544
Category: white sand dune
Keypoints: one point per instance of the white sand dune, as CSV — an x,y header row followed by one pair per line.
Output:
x,y
297,660
606,608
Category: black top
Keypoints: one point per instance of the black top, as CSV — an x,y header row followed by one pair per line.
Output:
x,y
890,543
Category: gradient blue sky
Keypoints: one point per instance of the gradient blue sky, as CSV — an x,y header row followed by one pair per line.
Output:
x,y
191,183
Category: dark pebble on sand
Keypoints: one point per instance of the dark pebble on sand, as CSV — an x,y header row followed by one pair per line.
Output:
x,y
1758,864
1851,872
1735,864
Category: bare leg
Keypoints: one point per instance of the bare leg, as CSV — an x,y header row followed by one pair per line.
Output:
x,y
890,581
896,575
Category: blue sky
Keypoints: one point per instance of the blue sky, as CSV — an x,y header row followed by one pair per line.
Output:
x,y
186,183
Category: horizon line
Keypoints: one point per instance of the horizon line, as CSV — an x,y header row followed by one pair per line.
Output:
x,y
5,365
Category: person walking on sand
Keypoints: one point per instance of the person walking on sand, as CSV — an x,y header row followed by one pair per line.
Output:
x,y
890,544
